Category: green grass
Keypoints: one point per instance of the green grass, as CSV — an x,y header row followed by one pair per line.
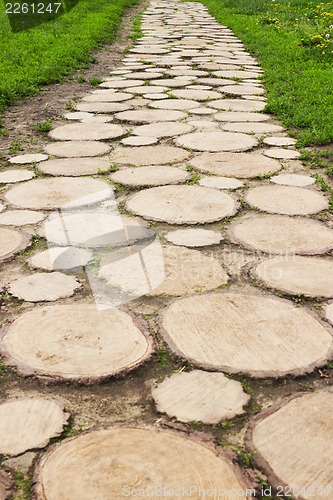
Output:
x,y
290,40
49,52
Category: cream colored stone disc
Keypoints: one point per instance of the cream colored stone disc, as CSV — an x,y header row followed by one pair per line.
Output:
x,y
75,342
237,105
17,175
292,444
182,204
243,333
289,200
200,396
90,131
185,271
150,176
56,192
74,149
239,165
162,129
254,127
279,234
29,423
12,241
107,462
148,155
75,166
296,275
216,141
193,237
40,287
150,115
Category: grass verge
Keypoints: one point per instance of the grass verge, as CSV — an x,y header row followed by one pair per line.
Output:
x,y
294,44
49,52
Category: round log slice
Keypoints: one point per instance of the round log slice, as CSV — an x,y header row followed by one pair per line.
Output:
x,y
185,271
40,287
194,237
76,342
12,241
148,155
288,200
279,234
107,462
243,333
292,444
90,131
200,396
216,141
296,275
29,423
150,176
49,193
182,204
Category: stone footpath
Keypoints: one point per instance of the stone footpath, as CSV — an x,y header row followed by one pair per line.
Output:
x,y
207,209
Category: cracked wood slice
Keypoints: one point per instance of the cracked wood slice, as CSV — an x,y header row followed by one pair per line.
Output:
x,y
17,175
90,131
216,141
200,396
239,165
258,335
293,446
296,275
74,149
102,462
148,155
150,115
288,200
279,234
182,204
74,167
29,423
94,229
12,241
60,258
40,287
76,342
149,176
175,271
56,192
193,237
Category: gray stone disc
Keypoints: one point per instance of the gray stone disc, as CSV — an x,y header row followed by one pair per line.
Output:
x,y
56,192
136,456
29,423
239,165
62,258
149,115
216,141
291,445
149,176
75,149
21,217
76,342
279,234
148,155
94,229
40,287
287,200
244,333
11,176
296,275
200,396
194,237
74,167
12,241
90,131
182,204
293,180
24,159
162,129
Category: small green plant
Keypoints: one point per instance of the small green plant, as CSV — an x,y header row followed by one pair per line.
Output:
x,y
81,79
94,82
227,425
43,127
70,107
247,386
23,485
163,357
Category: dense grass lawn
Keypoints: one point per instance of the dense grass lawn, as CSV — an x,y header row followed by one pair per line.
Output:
x,y
48,52
293,40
